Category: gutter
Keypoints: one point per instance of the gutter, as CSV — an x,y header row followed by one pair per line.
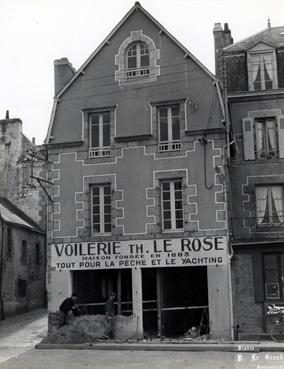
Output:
x,y
1,267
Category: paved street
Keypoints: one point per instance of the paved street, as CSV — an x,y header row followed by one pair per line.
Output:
x,y
77,359
21,333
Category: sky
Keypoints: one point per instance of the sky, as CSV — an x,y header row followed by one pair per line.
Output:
x,y
33,33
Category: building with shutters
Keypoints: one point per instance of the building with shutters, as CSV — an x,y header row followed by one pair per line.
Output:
x,y
136,142
252,75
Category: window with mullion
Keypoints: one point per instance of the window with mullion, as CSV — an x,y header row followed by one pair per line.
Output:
x,y
172,205
269,205
138,56
100,129
101,209
261,71
169,123
266,138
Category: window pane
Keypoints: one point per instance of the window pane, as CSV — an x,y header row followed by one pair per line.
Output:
x,y
175,111
106,117
132,62
164,130
166,186
95,136
95,119
178,205
179,223
175,128
179,214
107,228
178,185
163,112
166,195
106,135
167,205
96,218
167,214
145,61
107,190
167,224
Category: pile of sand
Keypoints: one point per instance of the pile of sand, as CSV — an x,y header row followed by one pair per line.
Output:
x,y
82,329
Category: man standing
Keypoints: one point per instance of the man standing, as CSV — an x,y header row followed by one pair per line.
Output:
x,y
109,309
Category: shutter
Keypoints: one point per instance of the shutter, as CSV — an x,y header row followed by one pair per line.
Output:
x,y
258,277
248,139
281,135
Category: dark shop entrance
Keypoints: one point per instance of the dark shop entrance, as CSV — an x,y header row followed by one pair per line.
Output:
x,y
174,300
94,286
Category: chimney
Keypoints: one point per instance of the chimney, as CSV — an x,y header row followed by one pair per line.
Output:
x,y
63,72
221,40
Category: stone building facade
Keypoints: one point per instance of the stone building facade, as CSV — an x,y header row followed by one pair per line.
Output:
x,y
252,76
22,238
136,142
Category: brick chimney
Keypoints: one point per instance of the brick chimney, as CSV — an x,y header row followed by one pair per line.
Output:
x,y
222,38
63,72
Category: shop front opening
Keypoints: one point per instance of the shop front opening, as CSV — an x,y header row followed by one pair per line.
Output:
x,y
175,300
94,286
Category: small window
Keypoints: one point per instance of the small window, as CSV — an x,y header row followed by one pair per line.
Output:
x,y
24,252
172,205
22,288
101,209
37,253
169,128
99,134
9,244
266,138
274,276
269,205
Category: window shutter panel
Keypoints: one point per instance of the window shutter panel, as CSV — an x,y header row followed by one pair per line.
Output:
x,y
248,139
281,135
258,281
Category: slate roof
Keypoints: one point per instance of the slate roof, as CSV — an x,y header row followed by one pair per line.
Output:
x,y
273,36
12,214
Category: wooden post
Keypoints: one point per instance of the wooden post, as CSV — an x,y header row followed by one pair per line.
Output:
x,y
159,301
119,292
137,300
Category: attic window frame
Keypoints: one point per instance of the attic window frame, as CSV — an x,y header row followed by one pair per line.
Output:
x,y
250,63
149,73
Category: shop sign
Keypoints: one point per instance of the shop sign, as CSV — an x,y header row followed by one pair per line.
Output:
x,y
177,252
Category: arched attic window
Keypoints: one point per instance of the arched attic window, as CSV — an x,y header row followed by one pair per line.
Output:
x,y
137,59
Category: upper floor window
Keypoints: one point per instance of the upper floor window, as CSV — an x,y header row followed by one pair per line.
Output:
x,y
263,134
138,60
24,252
101,208
262,68
172,205
9,244
266,138
99,134
274,276
169,128
269,205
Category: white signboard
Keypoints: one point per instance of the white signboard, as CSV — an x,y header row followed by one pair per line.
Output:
x,y
177,252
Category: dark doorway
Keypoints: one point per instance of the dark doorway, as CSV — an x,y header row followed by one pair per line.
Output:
x,y
94,286
174,300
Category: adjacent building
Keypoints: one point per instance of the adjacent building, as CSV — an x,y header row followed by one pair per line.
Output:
x,y
251,72
22,238
136,144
